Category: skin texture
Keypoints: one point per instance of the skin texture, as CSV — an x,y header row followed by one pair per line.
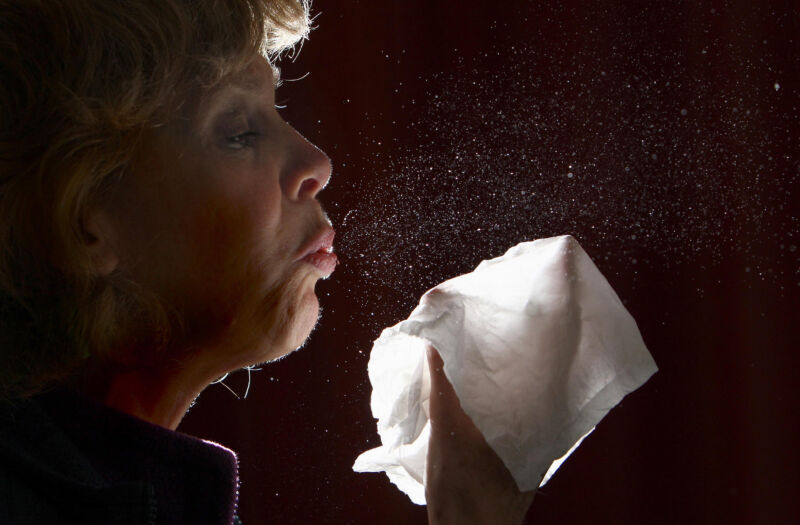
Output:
x,y
213,219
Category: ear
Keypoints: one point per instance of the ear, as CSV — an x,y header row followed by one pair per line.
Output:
x,y
99,242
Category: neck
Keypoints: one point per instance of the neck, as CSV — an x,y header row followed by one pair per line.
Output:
x,y
160,395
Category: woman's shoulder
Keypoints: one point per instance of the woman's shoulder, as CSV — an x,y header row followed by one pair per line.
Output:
x,y
85,458
44,477
21,503
27,440
33,443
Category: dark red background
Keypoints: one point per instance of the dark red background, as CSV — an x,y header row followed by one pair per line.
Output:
x,y
712,437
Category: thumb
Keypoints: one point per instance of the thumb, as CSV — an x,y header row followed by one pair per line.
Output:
x,y
446,413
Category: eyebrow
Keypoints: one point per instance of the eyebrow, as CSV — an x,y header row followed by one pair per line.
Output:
x,y
253,82
209,103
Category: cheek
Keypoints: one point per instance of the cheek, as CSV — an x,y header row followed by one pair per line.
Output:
x,y
231,234
242,281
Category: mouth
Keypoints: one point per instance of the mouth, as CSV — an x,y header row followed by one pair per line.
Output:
x,y
318,252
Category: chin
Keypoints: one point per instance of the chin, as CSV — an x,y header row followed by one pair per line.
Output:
x,y
283,321
308,316
295,327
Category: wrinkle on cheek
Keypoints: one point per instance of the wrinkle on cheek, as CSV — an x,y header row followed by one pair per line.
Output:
x,y
287,314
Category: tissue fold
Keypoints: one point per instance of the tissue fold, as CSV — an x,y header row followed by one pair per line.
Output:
x,y
538,348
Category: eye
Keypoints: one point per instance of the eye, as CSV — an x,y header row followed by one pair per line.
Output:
x,y
243,140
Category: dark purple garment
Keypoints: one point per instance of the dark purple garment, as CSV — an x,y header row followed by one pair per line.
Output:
x,y
64,451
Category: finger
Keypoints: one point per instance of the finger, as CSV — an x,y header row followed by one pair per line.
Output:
x,y
434,359
442,394
446,413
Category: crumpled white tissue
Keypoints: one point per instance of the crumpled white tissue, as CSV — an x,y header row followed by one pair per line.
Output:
x,y
538,348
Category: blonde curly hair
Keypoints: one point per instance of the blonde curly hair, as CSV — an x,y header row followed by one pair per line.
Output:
x,y
81,84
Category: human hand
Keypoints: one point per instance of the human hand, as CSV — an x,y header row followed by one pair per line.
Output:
x,y
466,482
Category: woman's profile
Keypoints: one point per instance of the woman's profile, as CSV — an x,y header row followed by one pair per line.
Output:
x,y
159,228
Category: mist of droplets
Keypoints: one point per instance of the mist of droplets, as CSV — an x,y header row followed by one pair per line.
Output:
x,y
649,154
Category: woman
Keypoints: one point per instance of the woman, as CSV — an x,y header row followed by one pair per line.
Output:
x,y
160,229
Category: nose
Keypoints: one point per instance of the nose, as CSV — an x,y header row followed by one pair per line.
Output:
x,y
307,170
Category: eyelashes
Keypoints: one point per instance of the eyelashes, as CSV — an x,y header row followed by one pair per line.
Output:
x,y
247,139
238,129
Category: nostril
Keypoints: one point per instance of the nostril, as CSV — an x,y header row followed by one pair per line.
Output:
x,y
309,186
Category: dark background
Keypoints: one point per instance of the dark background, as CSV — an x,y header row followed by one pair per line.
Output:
x,y
662,135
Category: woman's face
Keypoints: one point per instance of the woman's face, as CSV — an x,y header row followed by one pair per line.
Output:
x,y
220,218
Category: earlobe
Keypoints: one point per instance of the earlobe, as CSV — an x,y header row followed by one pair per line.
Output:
x,y
98,241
